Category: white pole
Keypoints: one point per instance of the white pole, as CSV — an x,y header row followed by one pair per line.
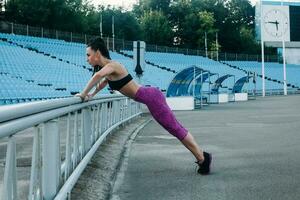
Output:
x,y
262,50
217,46
113,32
284,68
101,34
284,61
201,88
206,44
194,82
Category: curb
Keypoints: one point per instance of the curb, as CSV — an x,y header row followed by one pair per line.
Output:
x,y
122,164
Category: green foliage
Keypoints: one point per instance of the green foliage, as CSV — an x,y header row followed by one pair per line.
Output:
x,y
152,5
248,43
1,5
126,24
156,28
55,14
73,15
207,25
165,22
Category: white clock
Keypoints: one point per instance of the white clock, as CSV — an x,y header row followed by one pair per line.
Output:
x,y
276,23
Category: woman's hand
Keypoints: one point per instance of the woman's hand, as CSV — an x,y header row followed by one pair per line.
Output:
x,y
90,96
83,98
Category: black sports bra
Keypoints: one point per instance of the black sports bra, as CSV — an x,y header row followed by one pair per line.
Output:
x,y
118,84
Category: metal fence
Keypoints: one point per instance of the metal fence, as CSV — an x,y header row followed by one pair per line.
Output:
x,y
246,57
19,29
121,44
53,171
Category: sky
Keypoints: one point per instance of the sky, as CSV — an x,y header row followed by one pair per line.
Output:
x,y
127,4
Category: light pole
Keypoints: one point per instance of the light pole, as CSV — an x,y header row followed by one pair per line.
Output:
x,y
262,50
101,33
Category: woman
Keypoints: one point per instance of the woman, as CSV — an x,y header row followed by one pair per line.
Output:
x,y
117,77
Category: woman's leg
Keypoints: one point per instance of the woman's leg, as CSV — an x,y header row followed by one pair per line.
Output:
x,y
190,143
162,113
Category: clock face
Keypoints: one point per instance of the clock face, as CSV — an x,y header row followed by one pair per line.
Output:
x,y
276,23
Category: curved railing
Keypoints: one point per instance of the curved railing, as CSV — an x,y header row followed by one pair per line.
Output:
x,y
59,155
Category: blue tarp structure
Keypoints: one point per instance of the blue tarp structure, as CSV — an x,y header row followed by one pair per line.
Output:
x,y
200,82
239,84
218,83
182,83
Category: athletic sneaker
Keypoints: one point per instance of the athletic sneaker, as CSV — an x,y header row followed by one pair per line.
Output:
x,y
204,168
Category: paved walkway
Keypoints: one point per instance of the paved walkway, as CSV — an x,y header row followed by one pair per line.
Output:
x,y
255,144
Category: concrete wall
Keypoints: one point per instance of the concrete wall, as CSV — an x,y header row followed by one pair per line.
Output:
x,y
181,103
219,98
292,55
240,96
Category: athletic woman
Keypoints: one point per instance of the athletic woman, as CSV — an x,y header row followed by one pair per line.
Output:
x,y
116,76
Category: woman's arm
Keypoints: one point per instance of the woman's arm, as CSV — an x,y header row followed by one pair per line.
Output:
x,y
105,71
99,87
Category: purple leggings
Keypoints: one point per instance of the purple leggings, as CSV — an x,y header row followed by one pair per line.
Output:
x,y
161,112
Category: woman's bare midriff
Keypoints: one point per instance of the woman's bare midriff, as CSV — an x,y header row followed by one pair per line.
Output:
x,y
130,89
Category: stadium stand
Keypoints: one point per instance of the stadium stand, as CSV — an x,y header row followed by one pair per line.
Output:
x,y
273,71
180,61
50,68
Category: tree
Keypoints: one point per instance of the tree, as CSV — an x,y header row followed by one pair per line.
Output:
x,y
240,20
156,28
191,20
126,24
194,27
26,11
179,11
1,5
248,43
73,15
166,22
152,5
59,14
241,12
207,25
128,27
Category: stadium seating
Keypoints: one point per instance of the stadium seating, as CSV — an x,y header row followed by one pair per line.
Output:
x,y
33,68
27,75
39,65
180,61
272,70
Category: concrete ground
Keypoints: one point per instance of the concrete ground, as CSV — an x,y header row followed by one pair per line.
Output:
x,y
255,147
97,179
96,182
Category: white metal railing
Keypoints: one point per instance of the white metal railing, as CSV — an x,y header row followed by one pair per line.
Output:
x,y
87,125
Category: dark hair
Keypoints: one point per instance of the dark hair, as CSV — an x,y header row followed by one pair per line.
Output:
x,y
98,44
